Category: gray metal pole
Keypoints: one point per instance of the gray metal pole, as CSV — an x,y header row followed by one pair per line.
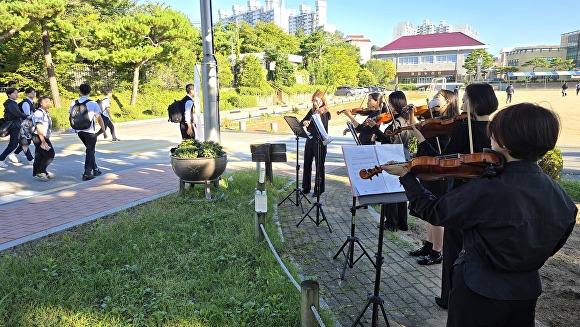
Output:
x,y
211,115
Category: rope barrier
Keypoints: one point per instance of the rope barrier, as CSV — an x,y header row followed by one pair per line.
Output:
x,y
317,316
278,258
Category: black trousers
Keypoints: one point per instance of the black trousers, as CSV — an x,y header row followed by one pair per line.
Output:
x,y
452,246
183,130
470,309
396,216
90,142
311,153
109,124
42,158
23,145
12,143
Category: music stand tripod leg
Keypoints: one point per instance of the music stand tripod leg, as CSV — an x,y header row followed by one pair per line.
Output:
x,y
375,297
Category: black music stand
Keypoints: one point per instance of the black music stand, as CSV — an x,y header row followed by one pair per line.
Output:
x,y
298,132
352,130
318,180
351,240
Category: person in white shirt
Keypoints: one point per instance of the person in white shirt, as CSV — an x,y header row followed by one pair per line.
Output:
x,y
27,107
187,124
89,136
44,152
107,116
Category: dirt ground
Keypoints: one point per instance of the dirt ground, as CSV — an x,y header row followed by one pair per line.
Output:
x,y
559,305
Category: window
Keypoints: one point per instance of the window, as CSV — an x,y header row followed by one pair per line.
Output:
x,y
409,60
427,59
446,58
513,62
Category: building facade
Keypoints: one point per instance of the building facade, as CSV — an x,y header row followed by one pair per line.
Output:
x,y
408,29
289,20
363,44
420,58
570,42
517,56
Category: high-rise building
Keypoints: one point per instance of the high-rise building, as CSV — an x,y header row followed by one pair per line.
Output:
x,y
408,29
287,19
571,42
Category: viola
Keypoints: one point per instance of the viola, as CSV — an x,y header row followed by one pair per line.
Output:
x,y
358,111
482,164
432,127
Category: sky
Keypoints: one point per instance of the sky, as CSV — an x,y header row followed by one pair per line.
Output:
x,y
499,23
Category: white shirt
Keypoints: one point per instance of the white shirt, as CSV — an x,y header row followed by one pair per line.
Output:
x,y
26,106
106,104
93,108
42,117
188,107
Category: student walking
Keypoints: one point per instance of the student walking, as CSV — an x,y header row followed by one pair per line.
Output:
x,y
577,88
13,114
107,116
509,91
564,88
89,135
187,124
43,150
27,107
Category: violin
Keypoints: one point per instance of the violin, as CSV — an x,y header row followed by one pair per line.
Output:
x,y
380,119
433,126
358,111
419,111
482,164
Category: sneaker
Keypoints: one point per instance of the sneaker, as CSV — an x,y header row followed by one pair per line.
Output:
x,y
50,175
43,177
97,172
88,177
431,259
13,158
115,140
3,164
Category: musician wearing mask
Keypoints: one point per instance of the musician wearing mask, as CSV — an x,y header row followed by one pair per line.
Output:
x,y
511,223
319,107
480,101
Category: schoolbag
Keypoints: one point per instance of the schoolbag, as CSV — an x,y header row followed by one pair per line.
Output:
x,y
100,103
79,116
30,104
174,112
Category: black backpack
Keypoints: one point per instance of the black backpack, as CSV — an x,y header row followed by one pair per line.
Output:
x,y
79,116
174,112
29,103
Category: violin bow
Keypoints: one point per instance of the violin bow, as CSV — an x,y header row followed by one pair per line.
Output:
x,y
436,137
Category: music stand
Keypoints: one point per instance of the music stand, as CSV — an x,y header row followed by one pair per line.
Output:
x,y
352,130
298,132
318,180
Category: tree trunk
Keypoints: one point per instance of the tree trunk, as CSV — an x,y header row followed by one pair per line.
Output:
x,y
136,69
49,66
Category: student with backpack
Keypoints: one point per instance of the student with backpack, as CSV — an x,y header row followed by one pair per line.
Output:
x,y
83,113
13,114
43,150
187,122
27,107
105,104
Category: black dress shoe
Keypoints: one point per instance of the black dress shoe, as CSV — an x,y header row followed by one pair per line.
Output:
x,y
97,172
420,252
430,259
440,303
88,177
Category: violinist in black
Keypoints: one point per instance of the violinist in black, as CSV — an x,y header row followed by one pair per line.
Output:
x,y
511,223
480,101
319,107
376,105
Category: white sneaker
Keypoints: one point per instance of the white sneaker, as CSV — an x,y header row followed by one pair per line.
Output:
x,y
3,164
13,158
50,175
43,177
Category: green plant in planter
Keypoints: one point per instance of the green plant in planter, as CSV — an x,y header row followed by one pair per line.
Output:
x,y
190,148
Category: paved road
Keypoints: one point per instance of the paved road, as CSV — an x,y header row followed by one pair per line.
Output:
x,y
146,143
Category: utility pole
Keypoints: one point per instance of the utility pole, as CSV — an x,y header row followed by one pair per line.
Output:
x,y
211,115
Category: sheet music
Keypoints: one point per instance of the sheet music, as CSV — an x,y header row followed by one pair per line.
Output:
x,y
320,127
368,156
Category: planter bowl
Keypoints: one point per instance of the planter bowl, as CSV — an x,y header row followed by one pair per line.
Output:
x,y
199,169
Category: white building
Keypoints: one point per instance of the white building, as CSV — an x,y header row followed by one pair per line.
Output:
x,y
408,29
287,19
363,44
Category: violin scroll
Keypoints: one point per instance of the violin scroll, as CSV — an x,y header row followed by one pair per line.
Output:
x,y
370,173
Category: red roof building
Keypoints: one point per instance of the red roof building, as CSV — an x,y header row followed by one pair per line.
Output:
x,y
420,58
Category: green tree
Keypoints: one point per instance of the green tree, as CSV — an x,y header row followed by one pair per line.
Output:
x,y
311,47
507,69
537,63
561,64
151,33
344,66
366,77
249,72
284,72
383,70
225,75
390,72
270,35
471,61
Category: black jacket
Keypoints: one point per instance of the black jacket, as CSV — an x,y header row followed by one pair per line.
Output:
x,y
13,113
511,223
325,117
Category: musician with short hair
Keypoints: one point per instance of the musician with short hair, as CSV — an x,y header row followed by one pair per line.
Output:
x,y
511,223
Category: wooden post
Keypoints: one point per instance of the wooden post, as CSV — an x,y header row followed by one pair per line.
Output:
x,y
309,290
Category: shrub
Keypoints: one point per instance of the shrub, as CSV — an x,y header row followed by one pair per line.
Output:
x,y
244,101
413,144
552,164
190,148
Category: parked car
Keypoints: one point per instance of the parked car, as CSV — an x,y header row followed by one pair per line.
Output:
x,y
345,91
360,90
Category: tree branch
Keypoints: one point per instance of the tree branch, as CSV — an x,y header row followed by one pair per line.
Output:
x,y
13,31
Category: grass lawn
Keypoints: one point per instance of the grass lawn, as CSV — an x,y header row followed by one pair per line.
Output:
x,y
170,262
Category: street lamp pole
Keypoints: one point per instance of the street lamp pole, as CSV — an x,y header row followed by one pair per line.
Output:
x,y
209,75
479,62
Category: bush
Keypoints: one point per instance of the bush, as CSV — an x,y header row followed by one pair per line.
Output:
x,y
552,164
413,144
244,101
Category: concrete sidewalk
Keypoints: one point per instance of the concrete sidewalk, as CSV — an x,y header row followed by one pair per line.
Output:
x,y
407,288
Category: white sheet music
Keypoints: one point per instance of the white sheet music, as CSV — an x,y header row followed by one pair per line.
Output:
x,y
368,156
320,127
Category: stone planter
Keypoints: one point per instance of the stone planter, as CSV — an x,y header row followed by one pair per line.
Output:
x,y
199,169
